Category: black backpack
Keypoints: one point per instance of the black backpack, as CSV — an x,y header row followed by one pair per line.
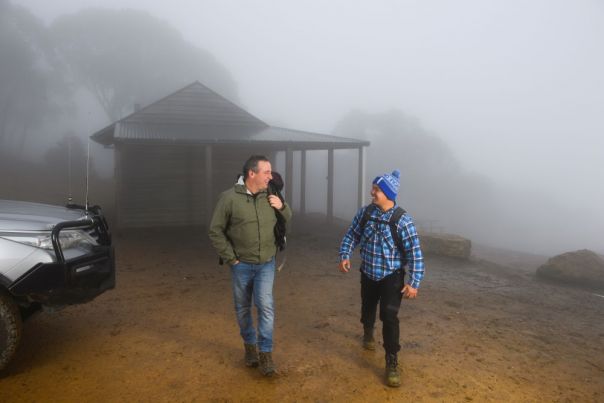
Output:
x,y
394,219
275,186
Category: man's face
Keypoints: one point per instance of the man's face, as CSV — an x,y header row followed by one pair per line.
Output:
x,y
259,180
377,196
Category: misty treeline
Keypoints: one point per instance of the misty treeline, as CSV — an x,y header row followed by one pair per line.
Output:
x,y
435,188
444,196
61,82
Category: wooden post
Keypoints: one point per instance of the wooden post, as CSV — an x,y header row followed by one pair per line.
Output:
x,y
330,181
117,178
361,179
209,185
289,175
303,183
189,194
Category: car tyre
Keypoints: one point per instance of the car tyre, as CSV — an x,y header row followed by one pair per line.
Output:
x,y
10,328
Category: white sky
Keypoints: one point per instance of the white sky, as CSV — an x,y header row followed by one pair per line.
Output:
x,y
514,87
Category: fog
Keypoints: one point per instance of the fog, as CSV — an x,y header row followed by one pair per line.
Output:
x,y
501,102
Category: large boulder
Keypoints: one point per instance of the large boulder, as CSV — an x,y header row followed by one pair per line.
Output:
x,y
583,267
446,245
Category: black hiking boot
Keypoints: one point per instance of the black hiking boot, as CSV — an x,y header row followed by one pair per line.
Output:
x,y
267,366
251,355
368,340
393,377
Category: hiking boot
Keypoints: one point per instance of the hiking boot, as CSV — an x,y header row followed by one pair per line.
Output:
x,y
368,340
267,366
393,377
251,355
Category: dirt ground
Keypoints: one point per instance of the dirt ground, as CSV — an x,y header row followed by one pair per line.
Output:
x,y
479,331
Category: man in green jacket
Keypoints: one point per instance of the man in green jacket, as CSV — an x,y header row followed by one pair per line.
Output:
x,y
242,232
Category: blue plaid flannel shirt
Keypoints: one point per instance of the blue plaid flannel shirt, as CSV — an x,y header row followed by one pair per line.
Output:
x,y
380,256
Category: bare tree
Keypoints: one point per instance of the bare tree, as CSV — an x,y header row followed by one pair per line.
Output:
x,y
30,79
434,184
126,56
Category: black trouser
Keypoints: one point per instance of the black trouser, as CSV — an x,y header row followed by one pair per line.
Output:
x,y
388,293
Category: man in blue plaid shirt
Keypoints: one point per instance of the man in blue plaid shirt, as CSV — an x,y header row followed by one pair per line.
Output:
x,y
383,266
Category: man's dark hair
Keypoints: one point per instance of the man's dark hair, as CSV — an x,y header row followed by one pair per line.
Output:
x,y
252,163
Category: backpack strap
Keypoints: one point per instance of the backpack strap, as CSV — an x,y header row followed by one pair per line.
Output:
x,y
394,219
366,214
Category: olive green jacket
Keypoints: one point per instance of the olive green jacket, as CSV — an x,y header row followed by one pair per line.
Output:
x,y
242,226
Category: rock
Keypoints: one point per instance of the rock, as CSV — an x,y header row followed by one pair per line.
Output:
x,y
446,245
583,267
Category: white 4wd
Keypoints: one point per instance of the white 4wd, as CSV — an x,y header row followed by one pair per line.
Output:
x,y
50,256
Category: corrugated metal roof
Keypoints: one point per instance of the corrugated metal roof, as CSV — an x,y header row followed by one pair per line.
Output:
x,y
197,114
128,132
192,105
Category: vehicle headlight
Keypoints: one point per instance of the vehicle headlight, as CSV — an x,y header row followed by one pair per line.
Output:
x,y
67,239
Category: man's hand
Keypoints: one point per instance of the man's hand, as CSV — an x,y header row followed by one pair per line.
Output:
x,y
275,202
344,266
409,292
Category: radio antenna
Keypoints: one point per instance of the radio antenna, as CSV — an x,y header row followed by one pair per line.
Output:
x,y
69,195
87,172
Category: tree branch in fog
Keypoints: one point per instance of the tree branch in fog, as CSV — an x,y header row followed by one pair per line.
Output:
x,y
431,175
29,79
124,57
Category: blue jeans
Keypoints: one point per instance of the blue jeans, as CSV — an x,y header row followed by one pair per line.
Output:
x,y
255,280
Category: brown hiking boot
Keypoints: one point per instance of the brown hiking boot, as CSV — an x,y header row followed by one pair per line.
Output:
x,y
368,340
393,377
267,366
251,355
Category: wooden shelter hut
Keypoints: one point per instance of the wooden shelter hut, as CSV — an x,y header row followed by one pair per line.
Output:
x,y
173,157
